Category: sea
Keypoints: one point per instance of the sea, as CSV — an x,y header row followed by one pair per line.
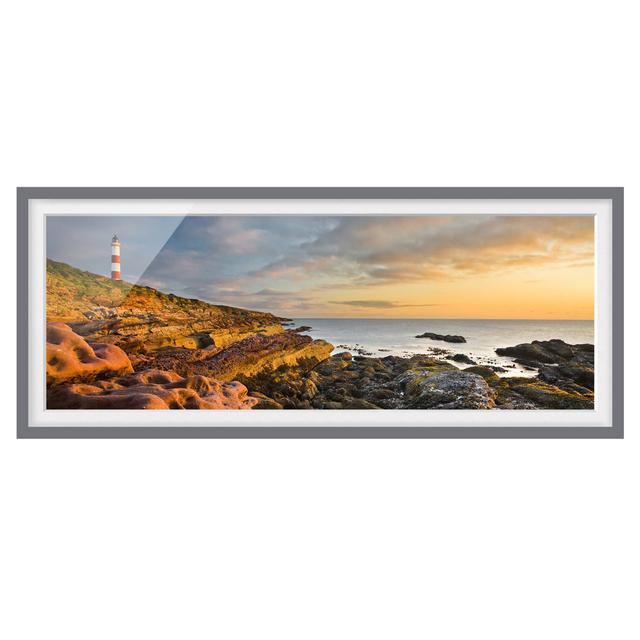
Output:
x,y
384,337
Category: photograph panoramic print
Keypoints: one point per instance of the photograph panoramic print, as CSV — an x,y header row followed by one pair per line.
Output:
x,y
312,312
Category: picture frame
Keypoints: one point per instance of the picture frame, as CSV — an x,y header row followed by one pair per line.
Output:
x,y
317,424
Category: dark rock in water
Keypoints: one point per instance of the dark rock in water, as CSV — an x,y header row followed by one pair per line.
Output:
x,y
304,327
461,357
559,374
498,369
568,367
445,338
548,352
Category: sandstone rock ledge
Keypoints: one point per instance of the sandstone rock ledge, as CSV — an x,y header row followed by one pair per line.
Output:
x,y
142,332
151,390
258,354
83,375
141,319
71,358
286,370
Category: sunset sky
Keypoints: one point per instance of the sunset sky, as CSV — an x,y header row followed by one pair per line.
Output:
x,y
435,266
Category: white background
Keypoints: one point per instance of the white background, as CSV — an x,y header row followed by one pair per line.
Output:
x,y
318,539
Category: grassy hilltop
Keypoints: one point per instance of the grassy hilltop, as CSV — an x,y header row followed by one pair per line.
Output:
x,y
72,293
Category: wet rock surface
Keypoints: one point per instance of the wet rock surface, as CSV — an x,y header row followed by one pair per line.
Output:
x,y
392,382
568,367
344,381
449,390
461,357
541,352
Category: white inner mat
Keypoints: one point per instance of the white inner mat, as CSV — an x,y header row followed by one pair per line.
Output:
x,y
599,417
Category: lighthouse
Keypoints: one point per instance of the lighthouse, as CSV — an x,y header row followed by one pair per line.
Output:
x,y
115,258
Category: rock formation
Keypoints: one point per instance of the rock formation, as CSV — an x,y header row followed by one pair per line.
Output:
x,y
70,358
142,319
541,352
151,389
438,336
185,353
83,375
346,382
418,382
568,367
461,357
243,359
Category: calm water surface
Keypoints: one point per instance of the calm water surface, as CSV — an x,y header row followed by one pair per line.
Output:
x,y
397,337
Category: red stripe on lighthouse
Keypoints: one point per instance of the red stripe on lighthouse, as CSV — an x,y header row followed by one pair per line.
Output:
x,y
115,258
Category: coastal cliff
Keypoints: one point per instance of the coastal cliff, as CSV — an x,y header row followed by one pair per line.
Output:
x,y
143,319
111,344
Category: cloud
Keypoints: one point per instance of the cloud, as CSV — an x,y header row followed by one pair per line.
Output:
x,y
290,264
378,304
272,300
370,251
273,293
85,241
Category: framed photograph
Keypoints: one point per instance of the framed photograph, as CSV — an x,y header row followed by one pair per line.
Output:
x,y
320,312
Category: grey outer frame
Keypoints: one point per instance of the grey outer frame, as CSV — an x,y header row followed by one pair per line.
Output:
x,y
615,194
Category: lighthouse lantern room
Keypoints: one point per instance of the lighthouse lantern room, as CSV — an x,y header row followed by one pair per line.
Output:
x,y
115,258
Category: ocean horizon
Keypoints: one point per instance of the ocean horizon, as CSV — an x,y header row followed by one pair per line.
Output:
x,y
397,336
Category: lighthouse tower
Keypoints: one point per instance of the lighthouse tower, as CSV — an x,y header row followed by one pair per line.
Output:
x,y
115,258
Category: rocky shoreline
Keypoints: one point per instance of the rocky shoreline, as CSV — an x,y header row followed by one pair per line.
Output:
x,y
137,348
287,370
344,381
